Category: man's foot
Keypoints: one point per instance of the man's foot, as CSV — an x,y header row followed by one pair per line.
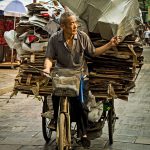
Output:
x,y
85,142
53,124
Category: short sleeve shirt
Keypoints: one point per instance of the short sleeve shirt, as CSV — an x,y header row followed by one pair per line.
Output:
x,y
147,34
69,58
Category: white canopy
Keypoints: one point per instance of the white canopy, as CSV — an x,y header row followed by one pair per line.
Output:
x,y
4,3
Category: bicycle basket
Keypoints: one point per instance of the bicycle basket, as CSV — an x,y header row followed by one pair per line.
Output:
x,y
66,84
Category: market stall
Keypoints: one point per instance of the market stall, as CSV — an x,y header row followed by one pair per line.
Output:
x,y
6,24
10,13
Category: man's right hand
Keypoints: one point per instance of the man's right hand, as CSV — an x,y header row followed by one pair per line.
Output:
x,y
47,66
46,72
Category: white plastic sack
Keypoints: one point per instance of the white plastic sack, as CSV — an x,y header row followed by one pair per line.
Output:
x,y
95,108
96,112
10,37
13,42
18,48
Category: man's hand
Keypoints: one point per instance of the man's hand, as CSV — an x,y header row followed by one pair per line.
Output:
x,y
46,72
115,41
47,66
112,43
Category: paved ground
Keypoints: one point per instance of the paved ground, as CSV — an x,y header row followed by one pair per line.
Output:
x,y
7,80
20,121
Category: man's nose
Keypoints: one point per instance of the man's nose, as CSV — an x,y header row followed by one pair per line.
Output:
x,y
75,26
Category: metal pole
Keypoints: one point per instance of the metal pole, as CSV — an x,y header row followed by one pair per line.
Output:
x,y
12,50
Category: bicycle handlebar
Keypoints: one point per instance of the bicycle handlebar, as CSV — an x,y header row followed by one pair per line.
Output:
x,y
40,70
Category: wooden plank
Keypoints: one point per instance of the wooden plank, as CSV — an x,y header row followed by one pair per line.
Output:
x,y
9,64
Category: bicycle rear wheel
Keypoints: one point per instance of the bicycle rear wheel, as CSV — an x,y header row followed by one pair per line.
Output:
x,y
47,133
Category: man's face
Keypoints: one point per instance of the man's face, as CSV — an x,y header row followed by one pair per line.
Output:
x,y
70,26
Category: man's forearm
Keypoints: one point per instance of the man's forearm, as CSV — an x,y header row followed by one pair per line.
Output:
x,y
102,49
48,63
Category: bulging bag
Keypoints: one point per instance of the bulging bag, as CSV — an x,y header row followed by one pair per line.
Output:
x,y
66,82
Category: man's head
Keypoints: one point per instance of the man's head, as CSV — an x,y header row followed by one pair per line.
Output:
x,y
68,22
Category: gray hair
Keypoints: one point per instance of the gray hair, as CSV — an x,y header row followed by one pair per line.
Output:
x,y
65,15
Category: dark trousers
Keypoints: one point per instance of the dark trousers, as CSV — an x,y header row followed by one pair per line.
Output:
x,y
79,111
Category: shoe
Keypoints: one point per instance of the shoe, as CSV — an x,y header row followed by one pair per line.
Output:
x,y
85,142
52,125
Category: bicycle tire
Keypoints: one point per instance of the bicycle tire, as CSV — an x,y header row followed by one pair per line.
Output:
x,y
110,126
47,133
111,121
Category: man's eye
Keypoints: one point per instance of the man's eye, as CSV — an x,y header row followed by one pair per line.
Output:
x,y
76,22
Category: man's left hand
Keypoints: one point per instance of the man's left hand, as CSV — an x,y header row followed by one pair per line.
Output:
x,y
115,41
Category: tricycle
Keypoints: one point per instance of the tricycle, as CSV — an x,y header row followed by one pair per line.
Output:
x,y
67,86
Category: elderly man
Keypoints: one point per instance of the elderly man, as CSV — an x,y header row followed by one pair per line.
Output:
x,y
68,47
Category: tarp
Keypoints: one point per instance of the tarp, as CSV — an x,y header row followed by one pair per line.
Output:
x,y
107,17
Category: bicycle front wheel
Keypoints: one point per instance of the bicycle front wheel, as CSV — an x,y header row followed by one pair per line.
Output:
x,y
62,132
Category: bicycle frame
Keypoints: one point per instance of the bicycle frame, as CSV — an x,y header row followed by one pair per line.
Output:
x,y
63,131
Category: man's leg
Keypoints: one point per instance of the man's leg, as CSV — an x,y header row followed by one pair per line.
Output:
x,y
55,101
83,115
84,105
79,110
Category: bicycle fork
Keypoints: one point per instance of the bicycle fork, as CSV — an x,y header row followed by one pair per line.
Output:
x,y
65,109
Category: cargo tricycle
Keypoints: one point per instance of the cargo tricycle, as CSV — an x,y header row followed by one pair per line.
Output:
x,y
67,85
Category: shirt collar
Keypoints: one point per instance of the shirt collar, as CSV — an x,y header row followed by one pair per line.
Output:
x,y
61,36
75,37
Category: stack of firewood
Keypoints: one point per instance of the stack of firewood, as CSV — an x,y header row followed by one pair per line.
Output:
x,y
117,67
33,31
30,79
112,74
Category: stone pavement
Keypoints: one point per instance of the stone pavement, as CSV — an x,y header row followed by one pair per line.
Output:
x,y
20,120
7,77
